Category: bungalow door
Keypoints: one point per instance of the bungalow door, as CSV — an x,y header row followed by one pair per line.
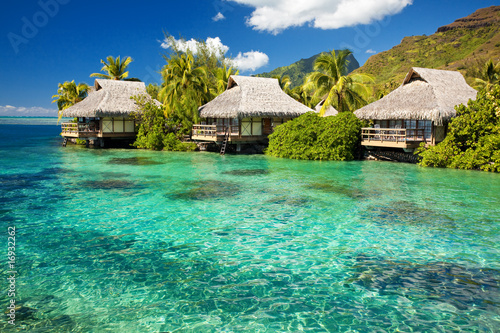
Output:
x,y
267,128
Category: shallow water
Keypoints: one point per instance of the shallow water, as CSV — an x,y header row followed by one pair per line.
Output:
x,y
139,241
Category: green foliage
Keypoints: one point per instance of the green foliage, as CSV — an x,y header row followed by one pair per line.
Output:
x,y
331,82
153,89
298,71
157,132
185,87
172,143
212,59
68,94
453,49
304,95
80,141
191,78
488,76
473,141
311,137
115,68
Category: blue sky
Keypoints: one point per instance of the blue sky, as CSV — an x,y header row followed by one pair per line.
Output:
x,y
46,42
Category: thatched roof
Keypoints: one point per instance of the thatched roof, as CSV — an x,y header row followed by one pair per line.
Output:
x,y
252,97
110,98
330,111
426,94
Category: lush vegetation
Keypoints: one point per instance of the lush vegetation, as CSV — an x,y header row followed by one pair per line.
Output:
x,y
463,46
298,71
69,93
311,137
192,79
115,68
488,76
473,140
331,82
156,131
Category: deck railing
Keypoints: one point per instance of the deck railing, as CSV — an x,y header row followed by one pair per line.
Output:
x,y
79,128
210,132
396,135
206,131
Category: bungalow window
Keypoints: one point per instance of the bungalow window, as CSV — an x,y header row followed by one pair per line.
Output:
x,y
419,129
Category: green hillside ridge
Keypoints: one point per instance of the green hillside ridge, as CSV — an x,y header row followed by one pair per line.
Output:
x,y
300,69
464,45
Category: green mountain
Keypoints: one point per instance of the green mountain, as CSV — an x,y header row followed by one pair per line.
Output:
x,y
463,45
300,69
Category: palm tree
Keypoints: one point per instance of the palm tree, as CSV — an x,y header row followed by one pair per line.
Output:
x,y
331,82
304,95
489,76
115,67
68,94
284,82
222,77
185,87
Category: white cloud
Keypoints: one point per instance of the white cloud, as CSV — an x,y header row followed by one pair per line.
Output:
x,y
276,15
214,44
218,17
370,51
21,111
247,61
250,61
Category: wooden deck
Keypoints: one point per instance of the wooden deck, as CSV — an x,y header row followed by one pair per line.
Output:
x,y
86,131
214,133
392,137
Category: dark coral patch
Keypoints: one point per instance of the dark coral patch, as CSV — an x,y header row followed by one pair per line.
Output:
x,y
108,184
247,172
133,161
206,189
445,282
345,190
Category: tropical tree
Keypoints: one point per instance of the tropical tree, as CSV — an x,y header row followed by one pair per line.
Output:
x,y
153,89
222,77
68,94
304,95
284,82
185,88
331,82
115,68
488,76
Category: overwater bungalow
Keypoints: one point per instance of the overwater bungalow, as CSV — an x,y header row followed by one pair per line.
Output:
x,y
247,112
105,114
418,111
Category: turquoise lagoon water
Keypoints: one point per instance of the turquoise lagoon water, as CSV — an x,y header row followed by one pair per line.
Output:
x,y
139,241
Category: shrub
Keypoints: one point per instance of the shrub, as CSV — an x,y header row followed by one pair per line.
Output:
x,y
311,137
157,132
473,140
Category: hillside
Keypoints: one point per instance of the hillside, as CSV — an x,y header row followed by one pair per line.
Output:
x,y
462,45
299,70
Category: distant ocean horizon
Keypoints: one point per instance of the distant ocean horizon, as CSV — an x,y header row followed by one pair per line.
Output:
x,y
30,120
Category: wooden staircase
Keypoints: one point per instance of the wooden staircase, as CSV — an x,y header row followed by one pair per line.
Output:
x,y
224,143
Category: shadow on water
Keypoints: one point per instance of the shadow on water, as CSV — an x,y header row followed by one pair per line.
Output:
x,y
114,174
406,212
27,180
137,160
205,190
108,184
336,188
462,287
293,201
247,172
